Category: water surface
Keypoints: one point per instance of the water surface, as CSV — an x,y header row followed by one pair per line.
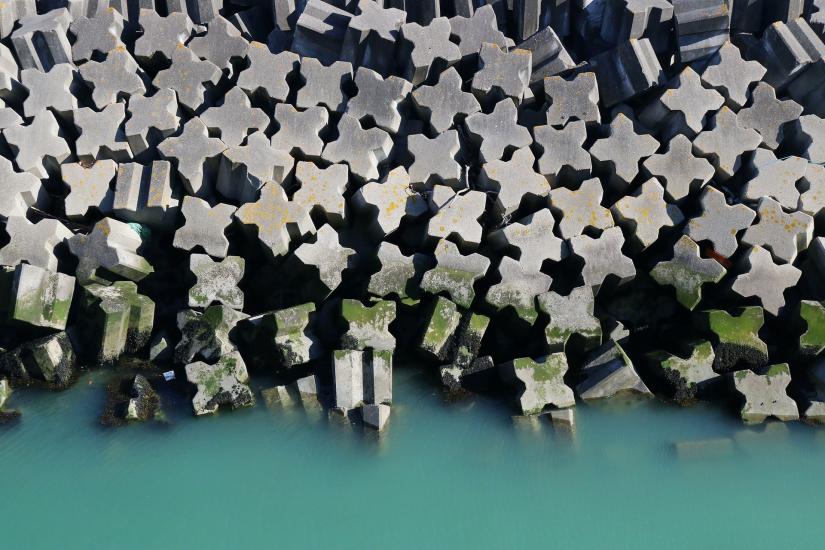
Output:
x,y
444,475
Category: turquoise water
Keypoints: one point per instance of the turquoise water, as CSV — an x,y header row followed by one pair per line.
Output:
x,y
444,475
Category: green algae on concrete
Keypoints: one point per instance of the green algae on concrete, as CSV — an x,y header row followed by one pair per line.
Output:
x,y
40,297
50,359
540,382
812,341
766,394
737,338
687,376
207,334
224,383
441,325
119,320
570,315
368,325
294,339
687,272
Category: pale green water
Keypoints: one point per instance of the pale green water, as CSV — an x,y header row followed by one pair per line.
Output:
x,y
444,476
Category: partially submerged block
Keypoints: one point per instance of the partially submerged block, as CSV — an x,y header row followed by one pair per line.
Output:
x,y
766,394
221,384
368,325
610,374
362,377
208,334
540,382
50,359
118,320
686,377
736,338
40,297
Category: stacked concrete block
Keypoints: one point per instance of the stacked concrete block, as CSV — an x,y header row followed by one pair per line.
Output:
x,y
275,220
764,280
563,155
729,74
531,241
208,335
620,153
454,273
220,44
41,40
204,226
725,142
501,73
351,173
719,222
195,155
244,169
33,243
143,194
97,33
687,272
378,99
216,281
736,340
702,27
118,320
626,71
50,359
518,289
549,55
541,383
682,108
362,150
320,31
22,190
688,377
223,383
570,316
372,35
428,49
38,147
324,260
112,246
40,297
765,394
444,104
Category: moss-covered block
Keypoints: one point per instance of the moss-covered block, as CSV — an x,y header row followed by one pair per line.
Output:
x,y
540,382
40,297
367,326
737,338
5,392
686,376
221,384
812,341
119,318
207,334
440,328
293,335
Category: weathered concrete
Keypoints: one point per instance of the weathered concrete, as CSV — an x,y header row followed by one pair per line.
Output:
x,y
765,394
221,384
540,383
687,272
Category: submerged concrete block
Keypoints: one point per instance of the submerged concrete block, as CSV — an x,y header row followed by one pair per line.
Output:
x,y
540,383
